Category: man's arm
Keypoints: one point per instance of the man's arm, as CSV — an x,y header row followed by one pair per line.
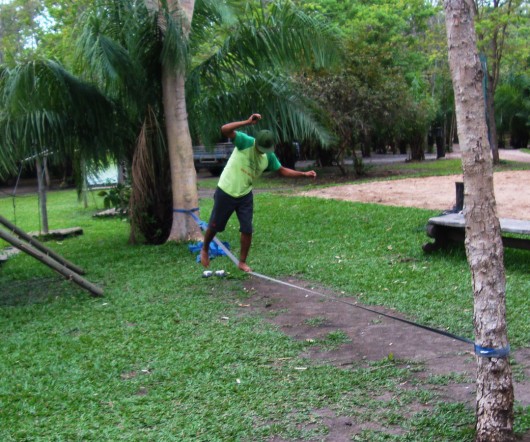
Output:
x,y
290,173
229,129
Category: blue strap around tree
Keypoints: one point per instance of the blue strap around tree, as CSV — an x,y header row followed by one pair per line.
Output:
x,y
214,250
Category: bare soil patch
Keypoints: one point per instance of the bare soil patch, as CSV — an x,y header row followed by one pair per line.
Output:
x,y
435,193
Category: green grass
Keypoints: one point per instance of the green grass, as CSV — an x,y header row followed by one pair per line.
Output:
x,y
166,355
446,167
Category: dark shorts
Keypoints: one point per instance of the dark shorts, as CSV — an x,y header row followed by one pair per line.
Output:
x,y
225,205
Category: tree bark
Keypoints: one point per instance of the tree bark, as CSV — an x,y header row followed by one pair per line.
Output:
x,y
494,399
183,174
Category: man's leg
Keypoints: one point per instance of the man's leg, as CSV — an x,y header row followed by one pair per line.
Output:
x,y
246,240
223,207
208,238
244,212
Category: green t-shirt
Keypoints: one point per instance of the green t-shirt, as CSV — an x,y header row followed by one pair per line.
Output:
x,y
245,164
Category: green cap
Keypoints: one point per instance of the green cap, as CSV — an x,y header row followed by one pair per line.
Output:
x,y
265,141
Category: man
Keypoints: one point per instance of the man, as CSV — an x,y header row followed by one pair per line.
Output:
x,y
250,158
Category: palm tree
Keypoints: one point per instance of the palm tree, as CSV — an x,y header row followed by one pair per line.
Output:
x,y
44,107
154,64
257,44
48,113
119,48
203,60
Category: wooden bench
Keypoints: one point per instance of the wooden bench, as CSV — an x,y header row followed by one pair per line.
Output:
x,y
451,228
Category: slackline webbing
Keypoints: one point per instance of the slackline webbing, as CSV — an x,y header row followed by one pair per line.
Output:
x,y
479,350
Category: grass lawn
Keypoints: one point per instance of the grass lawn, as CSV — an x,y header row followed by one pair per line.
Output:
x,y
166,355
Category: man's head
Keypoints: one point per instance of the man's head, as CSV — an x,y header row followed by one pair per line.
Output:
x,y
265,141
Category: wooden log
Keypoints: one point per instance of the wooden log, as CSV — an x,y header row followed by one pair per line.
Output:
x,y
57,234
52,263
41,247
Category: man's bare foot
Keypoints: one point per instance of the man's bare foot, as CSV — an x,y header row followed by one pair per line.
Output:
x,y
243,266
205,259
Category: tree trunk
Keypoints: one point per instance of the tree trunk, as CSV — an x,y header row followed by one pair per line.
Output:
x,y
183,175
494,400
417,152
47,178
498,14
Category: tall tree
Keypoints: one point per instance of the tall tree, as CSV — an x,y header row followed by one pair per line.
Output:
x,y
174,69
494,400
279,37
125,54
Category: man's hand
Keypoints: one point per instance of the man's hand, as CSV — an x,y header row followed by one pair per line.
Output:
x,y
254,118
310,174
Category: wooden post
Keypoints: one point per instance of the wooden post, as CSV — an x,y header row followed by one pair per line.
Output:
x,y
84,191
59,268
42,196
38,245
459,206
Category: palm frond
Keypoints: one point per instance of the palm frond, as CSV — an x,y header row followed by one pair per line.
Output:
x,y
150,201
286,37
253,63
175,28
45,107
101,52
284,109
